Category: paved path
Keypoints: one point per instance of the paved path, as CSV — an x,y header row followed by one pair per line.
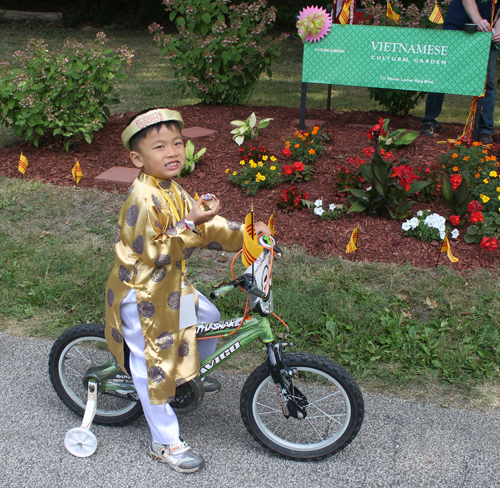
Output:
x,y
401,444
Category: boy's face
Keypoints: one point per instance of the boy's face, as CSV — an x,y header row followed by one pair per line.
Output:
x,y
161,154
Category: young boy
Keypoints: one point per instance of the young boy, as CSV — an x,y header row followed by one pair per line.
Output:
x,y
150,306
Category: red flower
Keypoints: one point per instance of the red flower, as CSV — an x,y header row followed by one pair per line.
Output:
x,y
455,181
298,166
377,128
489,243
306,195
287,152
405,175
455,219
368,151
476,217
288,170
475,206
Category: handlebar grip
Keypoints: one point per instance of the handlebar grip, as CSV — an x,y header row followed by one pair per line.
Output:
x,y
227,288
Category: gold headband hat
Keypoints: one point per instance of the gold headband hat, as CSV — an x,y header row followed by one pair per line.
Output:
x,y
146,119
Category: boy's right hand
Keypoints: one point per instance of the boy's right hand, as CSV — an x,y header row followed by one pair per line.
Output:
x,y
200,216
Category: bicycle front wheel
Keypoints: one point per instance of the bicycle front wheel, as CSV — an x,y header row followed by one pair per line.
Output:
x,y
334,408
72,354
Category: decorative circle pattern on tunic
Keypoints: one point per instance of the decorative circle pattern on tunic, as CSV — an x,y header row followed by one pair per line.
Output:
x,y
117,336
174,300
171,230
165,184
179,382
132,215
187,252
138,245
184,349
124,274
146,309
158,226
158,274
165,340
156,374
162,260
215,246
178,264
110,297
118,236
233,225
156,201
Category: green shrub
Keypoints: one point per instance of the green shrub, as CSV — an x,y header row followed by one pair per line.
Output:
x,y
63,94
397,102
221,50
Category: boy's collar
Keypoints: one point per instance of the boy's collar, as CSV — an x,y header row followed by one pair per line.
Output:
x,y
150,181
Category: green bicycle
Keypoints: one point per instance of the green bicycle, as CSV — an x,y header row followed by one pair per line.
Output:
x,y
299,405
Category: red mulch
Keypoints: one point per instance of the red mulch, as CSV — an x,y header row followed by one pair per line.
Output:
x,y
380,239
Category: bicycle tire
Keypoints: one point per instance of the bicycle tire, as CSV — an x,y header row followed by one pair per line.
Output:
x,y
76,350
335,409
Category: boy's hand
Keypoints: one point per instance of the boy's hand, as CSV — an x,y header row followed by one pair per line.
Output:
x,y
200,216
261,228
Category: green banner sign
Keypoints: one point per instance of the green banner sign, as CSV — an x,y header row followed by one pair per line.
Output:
x,y
429,60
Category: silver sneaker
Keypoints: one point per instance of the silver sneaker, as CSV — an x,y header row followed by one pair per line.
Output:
x,y
178,455
211,385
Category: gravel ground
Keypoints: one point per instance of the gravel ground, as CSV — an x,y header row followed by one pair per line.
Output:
x,y
401,443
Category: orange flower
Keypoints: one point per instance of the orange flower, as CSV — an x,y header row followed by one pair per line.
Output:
x,y
455,156
477,175
466,158
455,168
485,151
475,143
459,142
311,151
297,145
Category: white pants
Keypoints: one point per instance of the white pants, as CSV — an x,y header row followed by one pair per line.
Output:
x,y
161,418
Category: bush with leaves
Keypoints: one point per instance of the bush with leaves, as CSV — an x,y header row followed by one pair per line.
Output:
x,y
389,191
292,199
191,158
221,49
254,176
306,146
64,94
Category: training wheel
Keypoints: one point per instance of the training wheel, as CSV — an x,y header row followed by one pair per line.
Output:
x,y
80,442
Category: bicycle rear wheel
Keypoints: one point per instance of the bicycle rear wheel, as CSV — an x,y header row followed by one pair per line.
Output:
x,y
72,354
334,408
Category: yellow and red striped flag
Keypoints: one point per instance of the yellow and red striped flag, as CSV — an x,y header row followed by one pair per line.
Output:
x,y
447,249
251,248
436,15
77,172
345,14
23,164
271,224
351,245
391,14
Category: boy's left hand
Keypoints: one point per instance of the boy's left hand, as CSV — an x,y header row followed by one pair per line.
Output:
x,y
261,228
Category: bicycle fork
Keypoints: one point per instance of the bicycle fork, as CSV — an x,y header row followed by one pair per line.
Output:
x,y
293,402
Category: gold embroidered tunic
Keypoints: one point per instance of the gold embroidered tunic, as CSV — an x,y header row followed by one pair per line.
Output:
x,y
151,245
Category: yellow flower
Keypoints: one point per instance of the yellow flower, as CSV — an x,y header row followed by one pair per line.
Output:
x,y
311,151
253,165
274,167
242,162
227,171
455,156
234,173
260,177
455,168
297,145
265,157
485,181
493,174
498,188
251,161
484,198
273,159
260,163
466,158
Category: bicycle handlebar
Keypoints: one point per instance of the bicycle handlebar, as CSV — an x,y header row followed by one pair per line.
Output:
x,y
227,288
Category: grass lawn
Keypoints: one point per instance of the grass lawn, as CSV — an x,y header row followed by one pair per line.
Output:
x,y
420,333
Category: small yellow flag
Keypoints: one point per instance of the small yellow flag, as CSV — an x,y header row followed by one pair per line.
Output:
x,y
23,164
77,172
345,14
436,15
251,248
196,196
447,249
351,245
391,14
271,224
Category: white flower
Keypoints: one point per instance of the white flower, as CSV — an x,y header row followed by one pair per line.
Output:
x,y
318,211
420,213
406,226
332,206
442,234
318,203
454,233
369,188
414,222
